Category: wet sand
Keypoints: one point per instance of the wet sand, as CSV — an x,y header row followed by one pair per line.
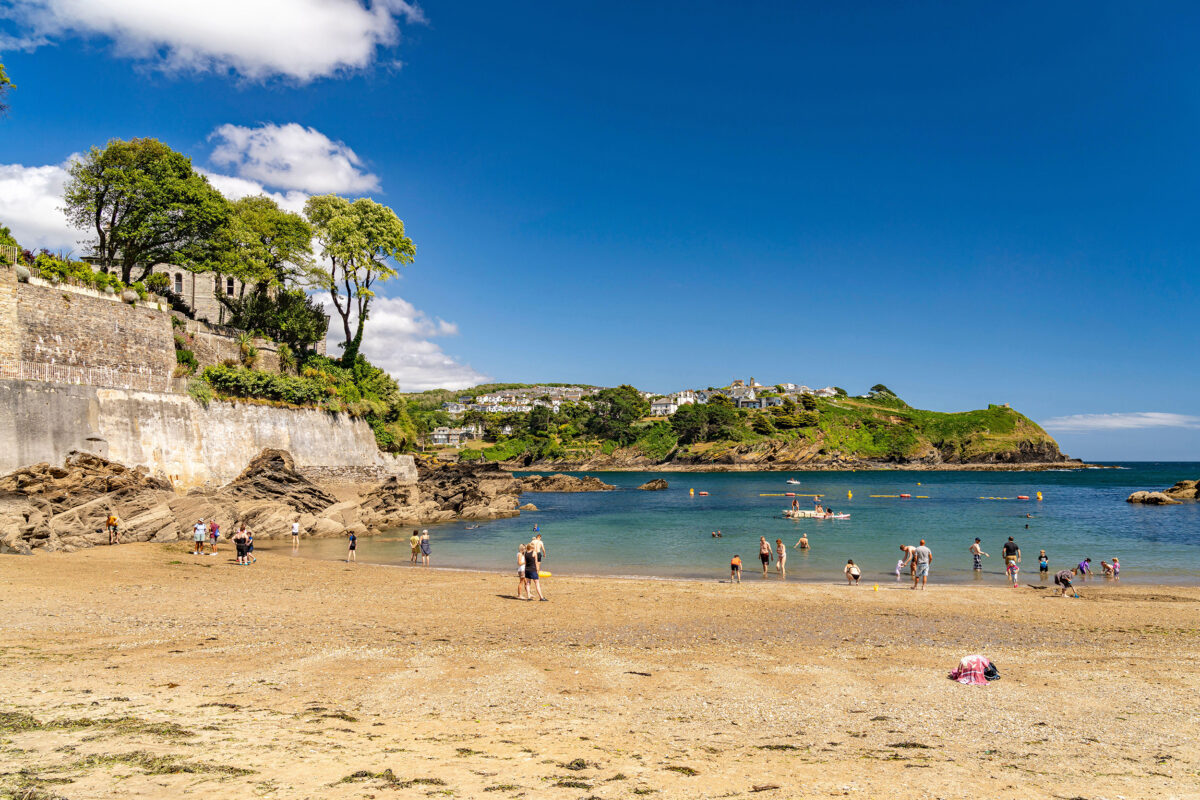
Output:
x,y
142,671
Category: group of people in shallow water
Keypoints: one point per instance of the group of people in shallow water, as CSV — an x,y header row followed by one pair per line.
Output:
x,y
918,560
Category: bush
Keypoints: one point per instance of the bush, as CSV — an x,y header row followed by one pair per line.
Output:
x,y
200,392
158,283
242,382
186,358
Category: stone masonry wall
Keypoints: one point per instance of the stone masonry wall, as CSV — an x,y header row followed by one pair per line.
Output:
x,y
214,344
178,438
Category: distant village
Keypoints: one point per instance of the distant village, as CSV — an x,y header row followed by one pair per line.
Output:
x,y
744,394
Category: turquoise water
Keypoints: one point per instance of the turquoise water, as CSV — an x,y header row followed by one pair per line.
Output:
x,y
668,534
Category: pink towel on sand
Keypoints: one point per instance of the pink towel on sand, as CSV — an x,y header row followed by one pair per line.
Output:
x,y
970,670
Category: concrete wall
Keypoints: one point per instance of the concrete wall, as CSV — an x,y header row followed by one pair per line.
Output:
x,y
174,436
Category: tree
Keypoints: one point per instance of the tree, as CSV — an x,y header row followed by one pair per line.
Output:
x,y
5,86
288,316
6,237
879,388
359,239
263,246
145,205
690,423
614,411
809,402
540,421
722,418
761,423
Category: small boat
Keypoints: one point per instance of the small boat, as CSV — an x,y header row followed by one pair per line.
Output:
x,y
793,481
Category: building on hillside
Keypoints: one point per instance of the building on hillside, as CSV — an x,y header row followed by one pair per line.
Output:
x,y
686,397
771,402
199,291
663,407
453,408
451,437
749,402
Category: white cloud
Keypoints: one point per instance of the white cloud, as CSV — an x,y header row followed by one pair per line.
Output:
x,y
1078,423
291,156
31,205
257,39
397,340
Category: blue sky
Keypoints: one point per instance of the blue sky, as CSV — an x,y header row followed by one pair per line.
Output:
x,y
968,204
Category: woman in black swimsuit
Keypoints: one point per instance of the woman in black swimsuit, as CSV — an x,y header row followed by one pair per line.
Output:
x,y
531,573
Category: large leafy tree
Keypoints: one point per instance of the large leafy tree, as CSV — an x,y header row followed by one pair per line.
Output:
x,y
263,246
143,204
288,316
361,241
614,411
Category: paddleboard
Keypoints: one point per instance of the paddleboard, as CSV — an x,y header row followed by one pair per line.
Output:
x,y
543,574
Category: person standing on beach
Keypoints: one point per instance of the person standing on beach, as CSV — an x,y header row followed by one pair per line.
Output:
x,y
852,573
240,540
198,537
923,558
522,586
425,547
414,541
114,536
735,569
764,553
214,533
295,534
781,558
352,553
539,547
1012,560
909,560
978,555
1043,565
1063,579
531,574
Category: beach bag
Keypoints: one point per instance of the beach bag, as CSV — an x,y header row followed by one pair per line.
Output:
x,y
990,672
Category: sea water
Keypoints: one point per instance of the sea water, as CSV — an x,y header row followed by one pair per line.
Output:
x,y
668,534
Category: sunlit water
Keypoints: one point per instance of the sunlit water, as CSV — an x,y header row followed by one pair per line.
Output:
x,y
668,534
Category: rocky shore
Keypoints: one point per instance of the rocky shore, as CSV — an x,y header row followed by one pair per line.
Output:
x,y
1183,490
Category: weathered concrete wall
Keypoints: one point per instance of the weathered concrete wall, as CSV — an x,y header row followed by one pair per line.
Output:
x,y
173,435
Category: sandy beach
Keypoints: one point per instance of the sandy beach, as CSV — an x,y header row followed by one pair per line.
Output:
x,y
143,671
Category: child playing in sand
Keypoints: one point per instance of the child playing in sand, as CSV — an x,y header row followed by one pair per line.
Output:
x,y
735,569
1116,568
853,573
1105,569
1063,580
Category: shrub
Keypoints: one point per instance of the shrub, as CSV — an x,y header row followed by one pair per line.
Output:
x,y
200,392
186,358
158,283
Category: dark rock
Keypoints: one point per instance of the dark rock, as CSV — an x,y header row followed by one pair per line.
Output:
x,y
444,492
271,475
563,483
656,485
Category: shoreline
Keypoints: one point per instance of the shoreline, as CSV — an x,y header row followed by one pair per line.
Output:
x,y
587,467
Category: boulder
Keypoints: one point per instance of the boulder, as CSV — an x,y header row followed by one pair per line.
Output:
x,y
563,483
528,507
656,485
1184,490
1152,499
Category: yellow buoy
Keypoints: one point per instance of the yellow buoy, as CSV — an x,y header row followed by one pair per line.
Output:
x,y
875,588
1039,496
691,491
849,495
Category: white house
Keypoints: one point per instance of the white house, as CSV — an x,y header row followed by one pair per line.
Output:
x,y
453,408
663,407
686,397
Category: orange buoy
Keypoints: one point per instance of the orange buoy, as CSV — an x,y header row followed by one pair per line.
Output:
x,y
906,495
703,494
789,494
1022,497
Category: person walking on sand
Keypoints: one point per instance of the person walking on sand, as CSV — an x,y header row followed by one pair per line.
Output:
x,y
735,569
781,558
198,537
111,524
978,555
295,534
852,573
425,547
414,541
1012,560
531,574
764,553
923,557
522,586
803,543
250,544
352,553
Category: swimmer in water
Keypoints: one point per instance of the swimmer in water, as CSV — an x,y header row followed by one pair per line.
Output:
x,y
803,543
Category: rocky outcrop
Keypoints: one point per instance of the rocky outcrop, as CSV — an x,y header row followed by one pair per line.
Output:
x,y
1184,490
563,483
442,493
272,476
1152,499
656,485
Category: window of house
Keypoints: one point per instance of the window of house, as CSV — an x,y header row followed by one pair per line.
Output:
x,y
178,283
229,286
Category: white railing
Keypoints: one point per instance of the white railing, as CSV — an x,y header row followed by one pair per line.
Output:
x,y
11,252
141,379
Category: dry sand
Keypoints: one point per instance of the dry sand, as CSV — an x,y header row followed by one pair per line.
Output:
x,y
142,671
